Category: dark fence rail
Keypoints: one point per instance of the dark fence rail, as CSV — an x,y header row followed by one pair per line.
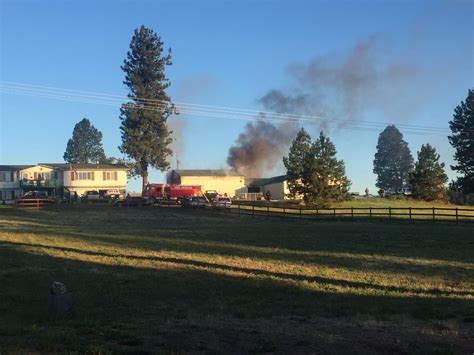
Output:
x,y
406,213
399,213
33,202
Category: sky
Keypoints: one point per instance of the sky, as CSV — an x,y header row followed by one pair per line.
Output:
x,y
419,66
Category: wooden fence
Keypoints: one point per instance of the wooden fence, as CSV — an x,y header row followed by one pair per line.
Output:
x,y
404,213
33,202
347,213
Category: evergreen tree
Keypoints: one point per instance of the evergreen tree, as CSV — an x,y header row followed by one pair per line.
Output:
x,y
314,171
462,140
145,135
428,179
299,152
393,161
324,176
85,146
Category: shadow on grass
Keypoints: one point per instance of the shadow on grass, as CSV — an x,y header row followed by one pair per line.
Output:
x,y
436,241
189,309
265,241
188,305
215,267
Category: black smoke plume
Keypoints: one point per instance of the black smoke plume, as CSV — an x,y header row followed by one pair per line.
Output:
x,y
336,90
259,147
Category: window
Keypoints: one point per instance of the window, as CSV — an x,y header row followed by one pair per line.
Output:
x,y
85,175
6,177
109,175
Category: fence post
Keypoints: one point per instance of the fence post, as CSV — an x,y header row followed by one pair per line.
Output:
x,y
457,216
370,211
253,210
409,212
238,207
268,211
334,213
390,213
300,213
433,214
284,212
37,204
352,212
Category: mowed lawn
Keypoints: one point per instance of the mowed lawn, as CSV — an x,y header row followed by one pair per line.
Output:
x,y
174,280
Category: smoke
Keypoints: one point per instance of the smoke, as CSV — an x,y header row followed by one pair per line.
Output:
x,y
260,147
344,86
189,89
336,90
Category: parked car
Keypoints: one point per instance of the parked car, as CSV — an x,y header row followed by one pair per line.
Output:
x,y
403,191
92,196
222,202
211,195
113,194
195,202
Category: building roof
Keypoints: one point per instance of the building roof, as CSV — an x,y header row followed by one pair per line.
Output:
x,y
14,167
206,172
67,166
268,181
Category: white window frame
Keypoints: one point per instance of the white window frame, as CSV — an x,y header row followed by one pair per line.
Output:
x,y
84,175
109,175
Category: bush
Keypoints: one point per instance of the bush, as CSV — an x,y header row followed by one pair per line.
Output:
x,y
458,198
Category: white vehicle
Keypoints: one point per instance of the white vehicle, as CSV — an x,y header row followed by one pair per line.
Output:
x,y
222,202
114,194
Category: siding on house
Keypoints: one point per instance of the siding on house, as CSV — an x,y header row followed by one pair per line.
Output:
x,y
15,180
85,179
223,181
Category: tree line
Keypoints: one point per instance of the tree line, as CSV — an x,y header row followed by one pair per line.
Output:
x,y
312,167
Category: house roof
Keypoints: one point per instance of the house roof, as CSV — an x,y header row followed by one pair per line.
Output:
x,y
67,166
206,172
268,181
14,167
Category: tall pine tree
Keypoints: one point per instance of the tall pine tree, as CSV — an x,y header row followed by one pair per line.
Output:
x,y
85,146
428,179
393,161
145,135
462,140
324,176
294,163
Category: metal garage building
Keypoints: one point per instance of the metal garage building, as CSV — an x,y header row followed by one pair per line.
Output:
x,y
277,186
223,181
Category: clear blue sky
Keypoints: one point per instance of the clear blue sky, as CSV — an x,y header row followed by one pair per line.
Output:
x,y
228,53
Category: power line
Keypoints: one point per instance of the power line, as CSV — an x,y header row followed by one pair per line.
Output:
x,y
110,97
201,110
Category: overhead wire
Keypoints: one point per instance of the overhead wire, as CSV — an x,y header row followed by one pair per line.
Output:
x,y
203,110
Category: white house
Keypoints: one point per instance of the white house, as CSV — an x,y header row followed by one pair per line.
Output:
x,y
60,179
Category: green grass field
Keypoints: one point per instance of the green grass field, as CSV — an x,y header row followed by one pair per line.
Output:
x,y
174,280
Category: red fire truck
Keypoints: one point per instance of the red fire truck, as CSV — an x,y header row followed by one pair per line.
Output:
x,y
169,192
